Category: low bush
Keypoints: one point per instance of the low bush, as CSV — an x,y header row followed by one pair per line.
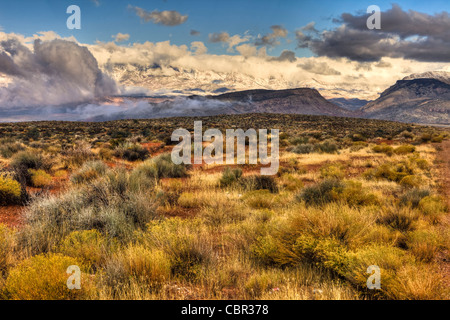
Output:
x,y
131,152
404,149
40,178
259,199
10,191
259,182
383,148
413,197
229,177
23,161
433,207
165,167
332,171
321,193
90,246
7,150
89,171
44,277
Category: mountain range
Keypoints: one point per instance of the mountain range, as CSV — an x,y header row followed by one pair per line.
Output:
x,y
420,98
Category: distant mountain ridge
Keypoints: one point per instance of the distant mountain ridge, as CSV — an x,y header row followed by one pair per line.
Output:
x,y
423,100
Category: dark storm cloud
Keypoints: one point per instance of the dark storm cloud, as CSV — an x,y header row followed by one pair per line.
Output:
x,y
404,34
167,18
55,72
195,33
272,39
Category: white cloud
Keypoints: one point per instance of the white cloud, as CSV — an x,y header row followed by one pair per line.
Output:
x,y
120,37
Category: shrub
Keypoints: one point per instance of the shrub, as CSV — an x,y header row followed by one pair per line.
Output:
x,y
40,178
115,205
258,284
89,171
390,171
78,154
291,183
189,252
10,191
383,148
332,172
259,199
23,161
437,138
424,244
405,149
321,193
433,207
411,181
413,197
258,182
7,150
131,152
90,246
151,266
401,219
44,277
426,137
188,200
165,167
303,149
229,177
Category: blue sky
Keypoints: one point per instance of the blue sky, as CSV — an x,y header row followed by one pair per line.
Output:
x,y
109,17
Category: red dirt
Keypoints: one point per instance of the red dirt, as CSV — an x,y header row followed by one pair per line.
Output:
x,y
11,216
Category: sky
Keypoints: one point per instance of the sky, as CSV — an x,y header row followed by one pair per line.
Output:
x,y
211,46
101,19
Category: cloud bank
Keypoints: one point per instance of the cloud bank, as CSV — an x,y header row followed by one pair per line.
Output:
x,y
52,73
404,34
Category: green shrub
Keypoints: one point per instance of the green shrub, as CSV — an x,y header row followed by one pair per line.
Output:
x,y
303,149
10,191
